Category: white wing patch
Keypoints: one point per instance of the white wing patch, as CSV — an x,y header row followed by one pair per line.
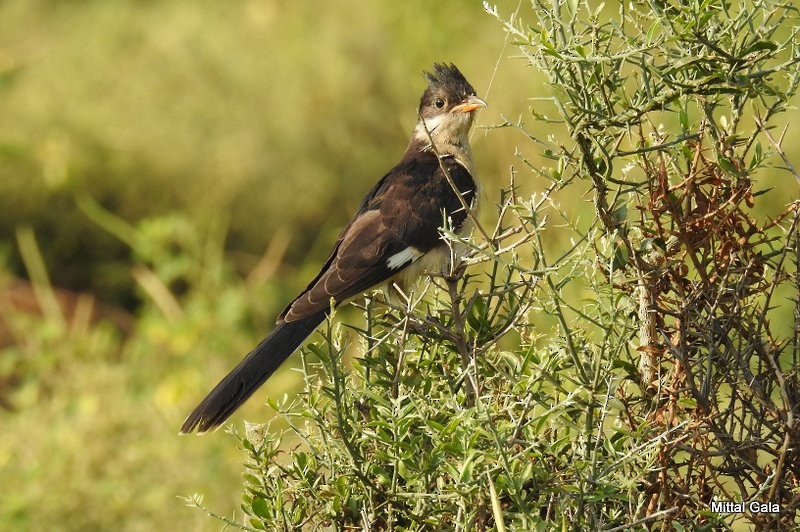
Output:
x,y
401,258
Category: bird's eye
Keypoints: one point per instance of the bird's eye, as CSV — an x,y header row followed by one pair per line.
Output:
x,y
439,103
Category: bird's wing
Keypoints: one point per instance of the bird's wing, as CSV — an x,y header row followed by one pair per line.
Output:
x,y
398,223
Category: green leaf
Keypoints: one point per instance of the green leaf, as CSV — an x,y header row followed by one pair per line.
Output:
x,y
727,166
757,157
760,46
260,507
687,402
620,214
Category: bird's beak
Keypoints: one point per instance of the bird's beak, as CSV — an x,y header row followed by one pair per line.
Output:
x,y
472,103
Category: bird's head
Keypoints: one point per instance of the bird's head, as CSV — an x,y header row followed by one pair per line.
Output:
x,y
447,108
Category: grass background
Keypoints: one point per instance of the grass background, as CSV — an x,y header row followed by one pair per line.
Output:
x,y
226,143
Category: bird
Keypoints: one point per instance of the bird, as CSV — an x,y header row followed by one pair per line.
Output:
x,y
394,237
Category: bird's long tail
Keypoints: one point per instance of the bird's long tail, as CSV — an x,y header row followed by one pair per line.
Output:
x,y
233,390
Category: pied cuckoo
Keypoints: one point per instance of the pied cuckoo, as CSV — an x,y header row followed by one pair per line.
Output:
x,y
394,237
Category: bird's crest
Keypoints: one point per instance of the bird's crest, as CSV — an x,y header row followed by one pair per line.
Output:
x,y
449,76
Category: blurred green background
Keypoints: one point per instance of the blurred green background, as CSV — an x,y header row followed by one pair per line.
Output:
x,y
178,170
171,173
